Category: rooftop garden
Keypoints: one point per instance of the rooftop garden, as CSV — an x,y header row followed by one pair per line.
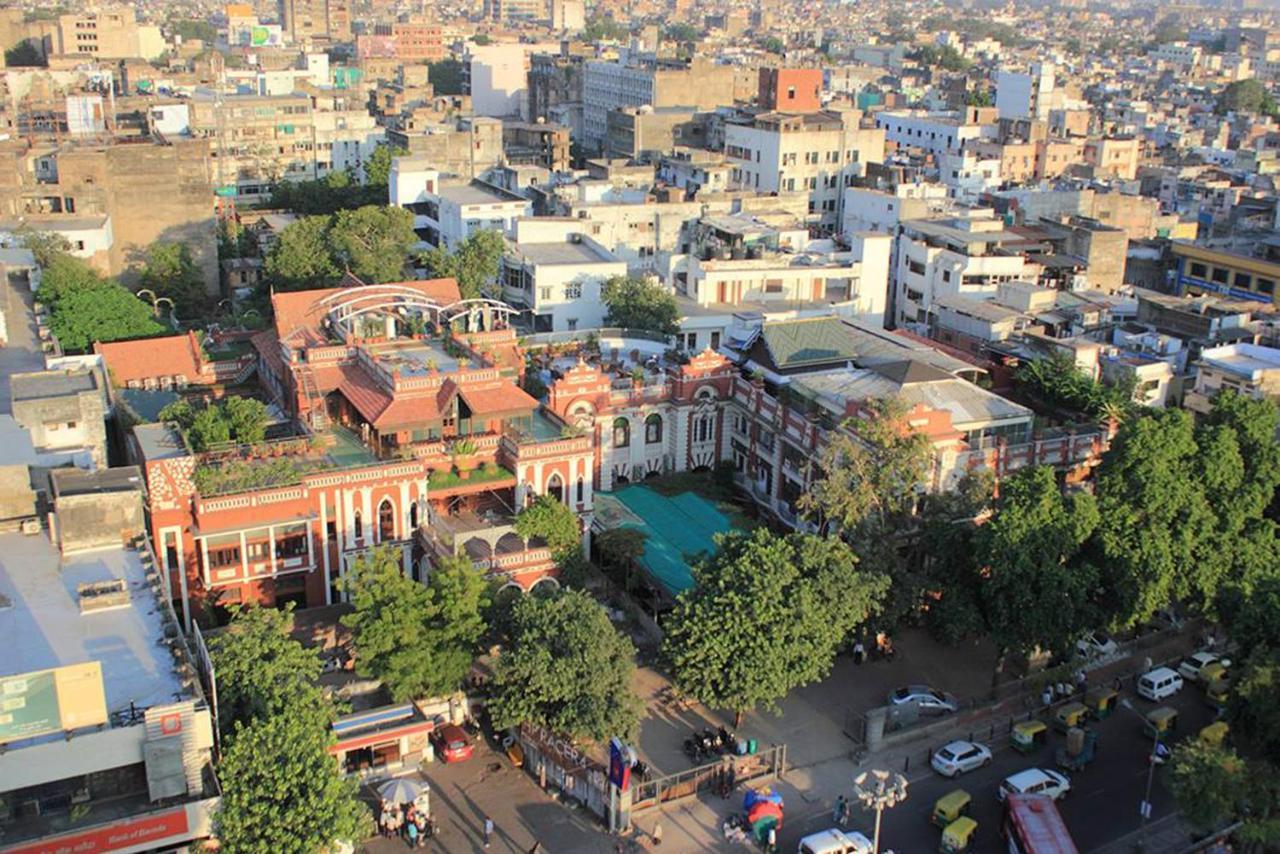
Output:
x,y
485,473
243,475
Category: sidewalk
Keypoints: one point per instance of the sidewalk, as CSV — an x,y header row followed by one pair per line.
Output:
x,y
810,788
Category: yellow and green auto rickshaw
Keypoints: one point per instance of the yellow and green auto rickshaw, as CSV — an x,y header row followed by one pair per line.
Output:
x,y
1214,734
1161,722
951,806
1217,691
1101,701
1070,715
958,835
1029,736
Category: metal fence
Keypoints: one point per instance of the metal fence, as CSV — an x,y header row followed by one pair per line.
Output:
x,y
730,770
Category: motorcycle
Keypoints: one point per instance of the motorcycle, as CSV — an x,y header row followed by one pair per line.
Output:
x,y
728,742
693,749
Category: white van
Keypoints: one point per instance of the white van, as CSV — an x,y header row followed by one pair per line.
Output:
x,y
835,841
1159,683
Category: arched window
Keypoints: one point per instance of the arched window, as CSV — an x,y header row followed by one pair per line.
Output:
x,y
621,433
386,521
703,429
555,487
581,490
413,515
358,526
653,429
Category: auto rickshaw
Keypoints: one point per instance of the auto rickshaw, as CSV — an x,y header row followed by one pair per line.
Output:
x,y
1214,734
951,806
958,835
1070,715
1029,736
1217,691
1214,671
1101,702
1161,722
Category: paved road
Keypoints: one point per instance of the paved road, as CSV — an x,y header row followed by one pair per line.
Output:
x,y
1102,806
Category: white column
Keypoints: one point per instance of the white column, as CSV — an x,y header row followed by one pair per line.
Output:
x,y
324,551
244,558
311,552
370,534
271,538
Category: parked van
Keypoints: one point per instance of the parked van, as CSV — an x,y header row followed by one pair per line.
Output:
x,y
1159,683
835,841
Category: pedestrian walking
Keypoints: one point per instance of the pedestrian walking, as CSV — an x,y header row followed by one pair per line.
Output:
x,y
411,834
657,833
837,814
773,840
488,830
1082,681
1046,697
859,653
421,822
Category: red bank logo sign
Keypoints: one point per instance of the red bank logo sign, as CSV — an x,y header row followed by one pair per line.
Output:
x,y
113,837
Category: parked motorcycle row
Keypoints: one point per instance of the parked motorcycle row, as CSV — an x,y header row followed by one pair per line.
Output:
x,y
703,746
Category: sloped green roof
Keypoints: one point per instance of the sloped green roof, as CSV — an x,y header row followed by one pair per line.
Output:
x,y
798,343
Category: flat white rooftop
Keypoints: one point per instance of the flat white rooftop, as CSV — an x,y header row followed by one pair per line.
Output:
x,y
41,626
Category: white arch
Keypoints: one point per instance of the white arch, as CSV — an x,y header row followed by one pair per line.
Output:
x,y
546,579
554,480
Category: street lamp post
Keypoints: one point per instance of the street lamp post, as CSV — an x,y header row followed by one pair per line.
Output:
x,y
879,790
1144,809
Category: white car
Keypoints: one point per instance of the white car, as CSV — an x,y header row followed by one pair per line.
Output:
x,y
1096,645
954,759
1191,667
1034,781
835,841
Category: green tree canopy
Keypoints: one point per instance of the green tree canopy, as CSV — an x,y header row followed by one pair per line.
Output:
x,y
262,671
474,262
600,28
870,476
419,640
567,668
640,304
237,418
1211,784
377,171
44,245
171,272
300,257
681,32
552,521
1036,591
445,77
24,55
1246,96
85,308
282,792
773,44
1057,382
373,242
767,614
281,789
945,57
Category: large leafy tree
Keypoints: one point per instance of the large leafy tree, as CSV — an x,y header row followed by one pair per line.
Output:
x,y
377,171
567,668
1246,96
474,262
640,304
767,614
550,520
171,272
419,640
373,242
44,245
871,475
281,789
1210,784
1154,515
300,257
1036,591
261,670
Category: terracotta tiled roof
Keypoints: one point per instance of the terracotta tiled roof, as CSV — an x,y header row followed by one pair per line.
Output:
x,y
497,398
146,358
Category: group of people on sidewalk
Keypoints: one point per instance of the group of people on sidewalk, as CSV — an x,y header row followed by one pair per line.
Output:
x,y
406,821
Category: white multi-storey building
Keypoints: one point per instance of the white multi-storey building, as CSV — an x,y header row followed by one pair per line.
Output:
x,y
932,132
1020,95
559,282
448,212
816,153
950,257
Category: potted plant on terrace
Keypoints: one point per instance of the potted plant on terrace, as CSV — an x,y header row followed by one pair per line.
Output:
x,y
461,452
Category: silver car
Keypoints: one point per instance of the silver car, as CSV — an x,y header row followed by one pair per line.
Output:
x,y
926,700
956,758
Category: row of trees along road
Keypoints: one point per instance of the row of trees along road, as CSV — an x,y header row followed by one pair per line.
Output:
x,y
1179,509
